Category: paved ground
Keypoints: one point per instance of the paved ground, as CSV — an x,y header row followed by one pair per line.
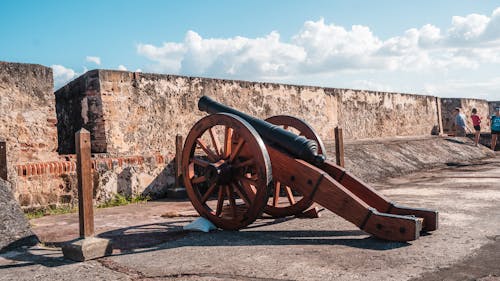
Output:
x,y
466,247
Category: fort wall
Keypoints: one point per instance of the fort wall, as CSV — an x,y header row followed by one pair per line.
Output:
x,y
140,113
134,117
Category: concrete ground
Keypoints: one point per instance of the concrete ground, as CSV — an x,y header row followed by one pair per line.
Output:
x,y
149,246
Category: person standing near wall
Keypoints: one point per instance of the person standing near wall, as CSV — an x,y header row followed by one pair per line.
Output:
x,y
459,123
495,127
476,122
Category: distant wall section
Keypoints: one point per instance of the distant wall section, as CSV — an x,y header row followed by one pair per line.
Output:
x,y
369,114
448,106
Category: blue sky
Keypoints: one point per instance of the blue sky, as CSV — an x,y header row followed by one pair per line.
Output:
x,y
444,48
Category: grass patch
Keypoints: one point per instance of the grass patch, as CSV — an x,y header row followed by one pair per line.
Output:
x,y
118,200
122,200
51,211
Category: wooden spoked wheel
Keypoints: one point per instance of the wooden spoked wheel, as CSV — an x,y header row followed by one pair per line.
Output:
x,y
292,203
216,165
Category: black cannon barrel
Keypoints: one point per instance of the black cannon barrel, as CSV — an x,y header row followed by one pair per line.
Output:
x,y
297,146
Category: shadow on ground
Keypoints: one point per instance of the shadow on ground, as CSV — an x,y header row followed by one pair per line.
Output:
x,y
158,236
138,238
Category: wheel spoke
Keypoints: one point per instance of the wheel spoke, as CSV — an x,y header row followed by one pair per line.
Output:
x,y
220,201
199,179
208,193
228,135
289,194
241,193
232,202
210,154
237,150
200,162
214,141
248,190
277,189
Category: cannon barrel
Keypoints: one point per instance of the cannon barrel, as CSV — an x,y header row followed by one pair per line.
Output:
x,y
297,146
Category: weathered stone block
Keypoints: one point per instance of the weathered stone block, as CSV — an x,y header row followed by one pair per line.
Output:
x,y
87,249
14,228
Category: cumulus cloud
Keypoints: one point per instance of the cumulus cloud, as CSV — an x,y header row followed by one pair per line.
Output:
x,y
62,75
236,57
96,60
321,48
122,67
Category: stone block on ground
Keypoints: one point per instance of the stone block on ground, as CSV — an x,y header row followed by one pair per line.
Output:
x,y
89,248
15,230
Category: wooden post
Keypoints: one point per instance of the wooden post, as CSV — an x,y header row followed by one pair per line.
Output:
x,y
339,147
3,160
178,156
440,116
83,169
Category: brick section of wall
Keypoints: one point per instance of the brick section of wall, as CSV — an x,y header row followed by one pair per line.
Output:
x,y
448,106
43,184
58,168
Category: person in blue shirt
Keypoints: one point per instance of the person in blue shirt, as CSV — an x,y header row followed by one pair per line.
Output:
x,y
495,127
459,123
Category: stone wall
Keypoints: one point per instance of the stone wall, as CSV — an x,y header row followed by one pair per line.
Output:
x,y
52,183
449,104
140,113
78,105
27,113
134,117
368,114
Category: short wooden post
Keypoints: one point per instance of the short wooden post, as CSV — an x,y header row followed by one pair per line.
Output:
x,y
178,156
339,147
440,116
3,160
83,169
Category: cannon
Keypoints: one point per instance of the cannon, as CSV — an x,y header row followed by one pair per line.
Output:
x,y
235,167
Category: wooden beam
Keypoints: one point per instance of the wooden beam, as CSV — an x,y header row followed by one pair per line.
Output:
x,y
178,156
3,160
85,192
339,147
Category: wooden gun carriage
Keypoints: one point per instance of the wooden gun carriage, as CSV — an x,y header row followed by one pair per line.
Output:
x,y
240,160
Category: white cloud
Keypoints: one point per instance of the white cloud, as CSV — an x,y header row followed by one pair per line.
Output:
x,y
96,60
62,75
122,67
326,50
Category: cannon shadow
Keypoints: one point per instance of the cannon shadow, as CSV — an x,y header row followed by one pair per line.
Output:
x,y
169,235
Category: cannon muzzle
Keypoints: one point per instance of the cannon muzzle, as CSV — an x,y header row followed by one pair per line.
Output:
x,y
297,146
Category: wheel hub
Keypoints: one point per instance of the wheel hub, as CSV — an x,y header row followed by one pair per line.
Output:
x,y
220,172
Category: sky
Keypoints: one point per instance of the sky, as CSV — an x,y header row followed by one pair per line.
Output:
x,y
443,48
